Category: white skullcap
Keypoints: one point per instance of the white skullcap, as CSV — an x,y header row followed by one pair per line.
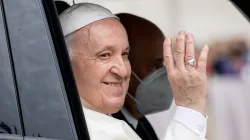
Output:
x,y
82,14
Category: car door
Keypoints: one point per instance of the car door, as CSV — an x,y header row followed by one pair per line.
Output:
x,y
39,98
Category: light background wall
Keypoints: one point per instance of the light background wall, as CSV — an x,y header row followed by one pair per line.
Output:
x,y
208,20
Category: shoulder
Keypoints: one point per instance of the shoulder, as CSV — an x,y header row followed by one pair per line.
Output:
x,y
101,126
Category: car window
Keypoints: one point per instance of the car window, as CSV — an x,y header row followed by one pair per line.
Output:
x,y
9,111
44,102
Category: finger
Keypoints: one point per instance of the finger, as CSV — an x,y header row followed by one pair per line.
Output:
x,y
202,61
167,53
189,50
180,50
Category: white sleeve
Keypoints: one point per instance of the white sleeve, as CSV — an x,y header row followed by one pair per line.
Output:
x,y
187,124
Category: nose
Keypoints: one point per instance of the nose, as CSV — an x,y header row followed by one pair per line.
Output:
x,y
120,67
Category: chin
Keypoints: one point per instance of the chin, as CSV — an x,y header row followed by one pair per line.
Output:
x,y
115,105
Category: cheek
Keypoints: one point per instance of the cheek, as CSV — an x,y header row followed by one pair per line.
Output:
x,y
99,71
91,73
128,68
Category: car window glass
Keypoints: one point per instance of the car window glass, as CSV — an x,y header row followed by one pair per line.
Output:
x,y
9,112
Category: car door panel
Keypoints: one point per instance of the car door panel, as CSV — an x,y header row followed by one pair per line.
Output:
x,y
10,137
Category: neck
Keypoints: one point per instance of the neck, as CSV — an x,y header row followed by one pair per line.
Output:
x,y
89,106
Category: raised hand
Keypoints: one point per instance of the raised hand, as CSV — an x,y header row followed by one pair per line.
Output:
x,y
187,76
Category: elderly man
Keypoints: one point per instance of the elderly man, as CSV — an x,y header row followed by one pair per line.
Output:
x,y
149,90
98,48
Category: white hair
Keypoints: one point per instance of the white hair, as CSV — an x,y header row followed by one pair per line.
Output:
x,y
72,40
69,42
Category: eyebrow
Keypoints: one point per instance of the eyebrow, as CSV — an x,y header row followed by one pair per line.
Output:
x,y
112,47
127,48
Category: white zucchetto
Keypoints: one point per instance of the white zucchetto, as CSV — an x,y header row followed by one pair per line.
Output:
x,y
82,14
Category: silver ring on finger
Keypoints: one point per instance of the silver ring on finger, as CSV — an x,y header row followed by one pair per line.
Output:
x,y
191,62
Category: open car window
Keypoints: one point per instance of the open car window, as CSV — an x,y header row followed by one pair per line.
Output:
x,y
38,96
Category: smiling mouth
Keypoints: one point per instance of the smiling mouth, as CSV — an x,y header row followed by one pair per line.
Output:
x,y
113,84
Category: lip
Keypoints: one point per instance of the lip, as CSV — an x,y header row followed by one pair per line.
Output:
x,y
114,84
114,88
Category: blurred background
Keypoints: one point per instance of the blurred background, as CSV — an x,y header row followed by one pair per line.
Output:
x,y
226,30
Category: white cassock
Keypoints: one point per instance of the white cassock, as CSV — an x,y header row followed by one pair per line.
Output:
x,y
105,127
186,124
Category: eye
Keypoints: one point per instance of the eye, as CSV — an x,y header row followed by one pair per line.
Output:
x,y
105,55
125,55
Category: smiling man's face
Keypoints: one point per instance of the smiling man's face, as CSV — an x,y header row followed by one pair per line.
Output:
x,y
101,66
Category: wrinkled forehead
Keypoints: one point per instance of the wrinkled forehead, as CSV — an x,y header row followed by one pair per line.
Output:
x,y
106,27
105,32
